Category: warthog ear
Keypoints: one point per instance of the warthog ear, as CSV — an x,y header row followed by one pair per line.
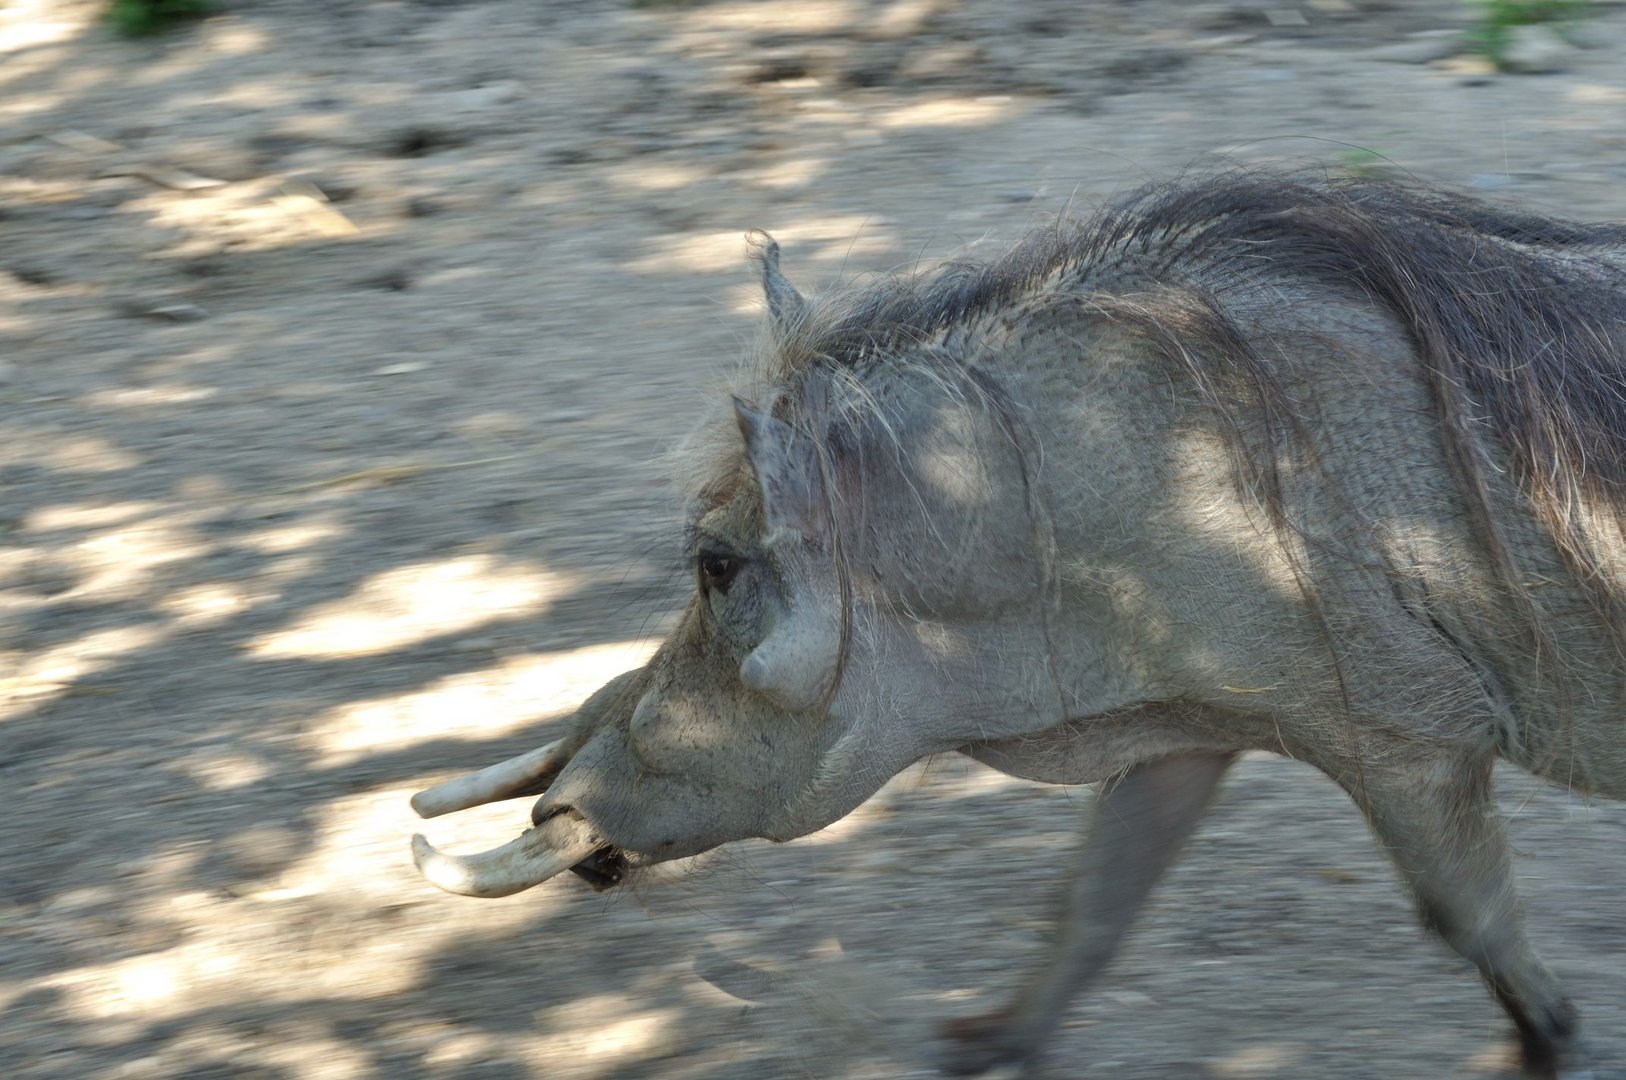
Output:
x,y
785,304
786,470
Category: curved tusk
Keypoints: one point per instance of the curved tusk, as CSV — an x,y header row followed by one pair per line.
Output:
x,y
504,780
529,859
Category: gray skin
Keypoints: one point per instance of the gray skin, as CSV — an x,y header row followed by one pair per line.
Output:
x,y
1070,582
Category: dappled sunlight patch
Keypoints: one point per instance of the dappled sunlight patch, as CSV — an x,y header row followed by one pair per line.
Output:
x,y
29,24
147,397
834,238
950,462
206,604
333,919
605,1032
661,175
212,41
948,112
12,322
226,771
224,965
492,703
152,985
788,174
232,38
808,17
1261,1059
1596,94
121,562
948,644
52,672
255,215
84,454
86,515
412,604
838,236
712,252
288,539
1210,507
321,1058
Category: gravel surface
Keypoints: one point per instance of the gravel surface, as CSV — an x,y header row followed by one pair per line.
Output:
x,y
340,349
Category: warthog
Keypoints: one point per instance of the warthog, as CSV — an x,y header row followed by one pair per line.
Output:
x,y
1330,469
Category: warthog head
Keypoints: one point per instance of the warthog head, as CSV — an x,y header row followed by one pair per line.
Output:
x,y
857,535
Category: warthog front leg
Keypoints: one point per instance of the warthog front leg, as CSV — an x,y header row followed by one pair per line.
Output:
x,y
1138,825
1438,821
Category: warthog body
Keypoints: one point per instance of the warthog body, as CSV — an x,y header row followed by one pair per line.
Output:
x,y
1332,470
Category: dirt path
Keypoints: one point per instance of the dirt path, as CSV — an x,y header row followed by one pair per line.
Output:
x,y
338,344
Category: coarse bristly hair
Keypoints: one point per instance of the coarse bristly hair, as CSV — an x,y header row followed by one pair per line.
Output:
x,y
1518,322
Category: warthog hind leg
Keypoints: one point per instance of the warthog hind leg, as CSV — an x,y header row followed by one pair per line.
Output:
x,y
1438,821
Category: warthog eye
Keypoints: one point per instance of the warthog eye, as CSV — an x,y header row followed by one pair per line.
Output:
x,y
717,571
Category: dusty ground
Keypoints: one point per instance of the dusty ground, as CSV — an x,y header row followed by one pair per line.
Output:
x,y
327,480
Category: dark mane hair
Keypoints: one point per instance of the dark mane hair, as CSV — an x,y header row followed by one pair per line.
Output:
x,y
1518,322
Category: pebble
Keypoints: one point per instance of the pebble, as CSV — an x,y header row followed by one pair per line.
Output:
x,y
1536,50
421,206
162,308
405,368
1286,17
484,97
1424,48
394,279
181,312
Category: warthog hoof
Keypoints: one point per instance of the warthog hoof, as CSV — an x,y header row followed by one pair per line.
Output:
x,y
975,1045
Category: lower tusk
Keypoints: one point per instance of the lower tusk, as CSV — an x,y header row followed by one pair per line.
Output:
x,y
529,859
504,780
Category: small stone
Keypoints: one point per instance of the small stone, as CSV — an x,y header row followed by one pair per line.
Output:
x,y
1286,17
1221,16
422,206
395,279
75,901
161,308
1587,34
35,275
1424,48
1535,50
1132,998
947,61
202,266
487,96
421,140
1469,69
181,313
